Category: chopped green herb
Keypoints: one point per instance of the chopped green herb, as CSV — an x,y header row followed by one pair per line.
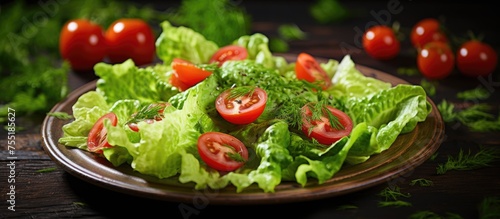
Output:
x,y
479,93
429,87
408,71
151,111
489,208
278,45
79,204
433,215
393,194
61,115
421,182
291,32
467,161
328,11
46,170
234,155
397,203
434,156
476,118
241,91
447,111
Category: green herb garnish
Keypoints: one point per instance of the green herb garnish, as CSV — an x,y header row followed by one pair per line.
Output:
x,y
421,182
152,111
489,208
433,215
429,87
476,118
61,115
328,11
467,161
234,155
238,92
479,93
46,170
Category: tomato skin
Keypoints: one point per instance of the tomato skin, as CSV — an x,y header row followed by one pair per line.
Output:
x,y
174,81
97,137
236,110
188,73
380,42
230,52
83,44
425,31
213,146
130,38
476,58
307,68
321,129
436,60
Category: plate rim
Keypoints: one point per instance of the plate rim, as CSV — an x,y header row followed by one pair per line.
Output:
x,y
59,154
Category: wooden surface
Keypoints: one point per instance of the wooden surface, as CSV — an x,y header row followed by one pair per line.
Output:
x,y
58,194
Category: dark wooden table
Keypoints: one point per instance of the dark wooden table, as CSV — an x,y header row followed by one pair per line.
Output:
x,y
58,194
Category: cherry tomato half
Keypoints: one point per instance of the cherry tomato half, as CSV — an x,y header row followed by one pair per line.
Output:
x,y
241,105
435,60
222,151
476,58
331,126
82,43
380,42
307,68
130,38
188,73
425,31
226,53
97,137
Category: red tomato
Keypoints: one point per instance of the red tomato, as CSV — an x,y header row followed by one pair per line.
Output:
x,y
221,151
188,73
231,52
425,31
435,60
97,138
242,108
307,68
380,42
476,58
130,38
322,129
82,43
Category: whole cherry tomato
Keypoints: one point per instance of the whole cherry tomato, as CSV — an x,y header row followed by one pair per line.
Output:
x,y
436,60
476,58
427,30
131,38
82,43
380,42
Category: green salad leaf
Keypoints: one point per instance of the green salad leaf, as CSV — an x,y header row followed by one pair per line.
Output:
x,y
278,150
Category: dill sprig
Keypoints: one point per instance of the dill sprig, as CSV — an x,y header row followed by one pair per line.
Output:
x,y
320,109
489,208
61,115
479,93
421,182
467,161
151,111
234,155
391,196
433,215
241,91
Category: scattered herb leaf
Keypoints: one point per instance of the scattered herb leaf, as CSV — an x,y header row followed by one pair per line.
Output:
x,y
278,45
397,203
489,208
150,111
410,71
421,182
47,170
328,11
476,118
467,161
347,207
479,93
433,215
79,204
291,32
61,115
429,87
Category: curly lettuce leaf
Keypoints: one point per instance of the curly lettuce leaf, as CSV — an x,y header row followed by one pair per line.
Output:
x,y
185,43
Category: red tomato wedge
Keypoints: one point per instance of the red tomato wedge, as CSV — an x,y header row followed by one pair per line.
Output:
x,y
331,126
226,53
241,105
307,68
221,151
188,73
97,138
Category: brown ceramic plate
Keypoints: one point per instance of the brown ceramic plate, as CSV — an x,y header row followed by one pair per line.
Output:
x,y
408,151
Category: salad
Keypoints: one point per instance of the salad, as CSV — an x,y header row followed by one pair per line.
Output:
x,y
239,115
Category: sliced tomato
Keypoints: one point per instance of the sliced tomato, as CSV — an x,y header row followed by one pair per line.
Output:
x,y
174,81
226,53
97,137
307,68
188,73
331,125
241,105
222,151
